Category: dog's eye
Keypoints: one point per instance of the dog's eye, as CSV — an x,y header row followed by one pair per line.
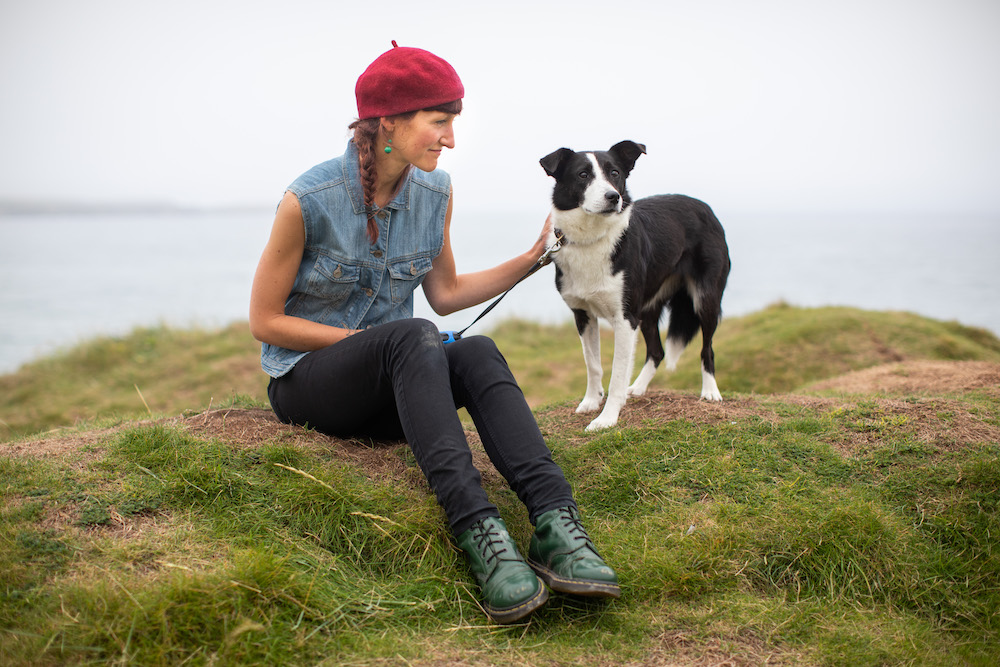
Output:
x,y
584,174
614,173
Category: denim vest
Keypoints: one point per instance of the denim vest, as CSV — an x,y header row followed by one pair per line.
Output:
x,y
344,280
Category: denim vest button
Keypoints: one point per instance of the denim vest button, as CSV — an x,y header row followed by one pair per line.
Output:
x,y
368,291
338,272
376,253
413,269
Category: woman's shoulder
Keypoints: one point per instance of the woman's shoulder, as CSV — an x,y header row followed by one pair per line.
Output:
x,y
323,175
438,180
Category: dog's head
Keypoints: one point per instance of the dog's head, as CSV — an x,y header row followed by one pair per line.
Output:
x,y
593,181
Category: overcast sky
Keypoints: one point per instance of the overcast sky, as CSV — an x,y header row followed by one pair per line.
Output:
x,y
769,105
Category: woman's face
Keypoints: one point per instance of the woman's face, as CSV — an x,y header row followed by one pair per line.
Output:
x,y
420,139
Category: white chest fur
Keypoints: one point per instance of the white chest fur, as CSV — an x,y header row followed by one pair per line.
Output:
x,y
585,261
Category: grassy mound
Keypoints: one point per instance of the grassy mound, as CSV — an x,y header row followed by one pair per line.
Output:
x,y
841,506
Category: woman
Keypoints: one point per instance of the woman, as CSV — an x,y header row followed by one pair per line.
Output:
x,y
332,303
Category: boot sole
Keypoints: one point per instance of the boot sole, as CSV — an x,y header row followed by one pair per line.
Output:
x,y
585,587
516,613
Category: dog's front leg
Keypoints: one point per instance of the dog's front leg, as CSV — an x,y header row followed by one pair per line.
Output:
x,y
621,373
590,337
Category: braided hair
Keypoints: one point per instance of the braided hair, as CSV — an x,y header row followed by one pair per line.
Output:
x,y
366,139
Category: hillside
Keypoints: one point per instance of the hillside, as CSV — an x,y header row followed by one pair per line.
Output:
x,y
166,371
890,390
847,519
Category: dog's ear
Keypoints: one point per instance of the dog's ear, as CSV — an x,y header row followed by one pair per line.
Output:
x,y
553,162
627,153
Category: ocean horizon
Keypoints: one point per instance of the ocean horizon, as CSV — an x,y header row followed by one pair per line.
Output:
x,y
67,277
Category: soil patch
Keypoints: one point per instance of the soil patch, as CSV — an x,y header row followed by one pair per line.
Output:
x,y
917,378
78,449
380,460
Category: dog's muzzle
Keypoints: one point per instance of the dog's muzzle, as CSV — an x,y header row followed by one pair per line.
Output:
x,y
613,202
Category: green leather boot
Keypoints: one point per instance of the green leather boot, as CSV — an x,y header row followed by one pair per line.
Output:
x,y
564,556
511,590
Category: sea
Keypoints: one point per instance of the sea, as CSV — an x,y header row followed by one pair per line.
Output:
x,y
66,277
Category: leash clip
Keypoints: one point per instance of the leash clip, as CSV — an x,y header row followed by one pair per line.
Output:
x,y
551,250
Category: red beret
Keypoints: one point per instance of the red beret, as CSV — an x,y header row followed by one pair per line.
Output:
x,y
406,79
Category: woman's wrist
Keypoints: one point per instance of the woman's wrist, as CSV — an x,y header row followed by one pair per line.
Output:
x,y
539,248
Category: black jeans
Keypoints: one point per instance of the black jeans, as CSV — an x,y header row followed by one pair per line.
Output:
x,y
398,381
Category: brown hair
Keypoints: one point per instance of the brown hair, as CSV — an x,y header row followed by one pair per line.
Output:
x,y
366,133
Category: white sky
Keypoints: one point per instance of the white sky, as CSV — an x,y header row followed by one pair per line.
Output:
x,y
770,105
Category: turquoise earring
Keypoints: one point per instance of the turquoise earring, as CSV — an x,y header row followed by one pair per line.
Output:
x,y
388,149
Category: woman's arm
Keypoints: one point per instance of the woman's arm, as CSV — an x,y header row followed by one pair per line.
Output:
x,y
448,291
272,283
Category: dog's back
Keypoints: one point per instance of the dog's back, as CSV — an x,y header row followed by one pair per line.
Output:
x,y
674,242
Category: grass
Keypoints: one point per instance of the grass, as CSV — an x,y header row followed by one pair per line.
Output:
x,y
827,531
159,370
166,371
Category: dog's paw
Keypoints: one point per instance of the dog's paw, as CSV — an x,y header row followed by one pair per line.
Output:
x,y
711,395
588,405
636,391
602,423
709,389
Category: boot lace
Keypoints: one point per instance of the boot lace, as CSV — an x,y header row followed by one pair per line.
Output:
x,y
574,527
489,541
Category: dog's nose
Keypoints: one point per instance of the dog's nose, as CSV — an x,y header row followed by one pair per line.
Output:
x,y
612,196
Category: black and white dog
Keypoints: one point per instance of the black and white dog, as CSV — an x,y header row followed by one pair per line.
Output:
x,y
627,262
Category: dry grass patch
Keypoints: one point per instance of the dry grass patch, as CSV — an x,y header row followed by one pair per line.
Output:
x,y
676,649
917,378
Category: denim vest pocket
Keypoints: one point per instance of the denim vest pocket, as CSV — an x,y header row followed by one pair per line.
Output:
x,y
405,275
332,280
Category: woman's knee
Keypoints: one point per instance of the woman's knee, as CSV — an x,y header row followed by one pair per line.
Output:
x,y
410,335
413,342
476,354
474,346
410,328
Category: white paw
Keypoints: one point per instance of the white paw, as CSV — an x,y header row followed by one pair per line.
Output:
x,y
709,388
607,418
588,405
602,423
636,391
707,395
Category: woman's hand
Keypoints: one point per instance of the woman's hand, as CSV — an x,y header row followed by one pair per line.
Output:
x,y
550,242
545,238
